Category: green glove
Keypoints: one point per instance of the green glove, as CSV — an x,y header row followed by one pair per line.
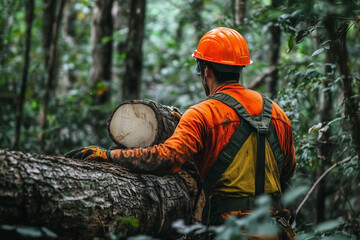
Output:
x,y
90,153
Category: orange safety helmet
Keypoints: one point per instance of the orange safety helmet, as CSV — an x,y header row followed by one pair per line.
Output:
x,y
225,46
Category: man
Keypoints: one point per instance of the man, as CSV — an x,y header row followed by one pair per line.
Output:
x,y
241,142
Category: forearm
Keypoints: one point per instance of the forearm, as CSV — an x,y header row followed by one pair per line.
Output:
x,y
158,160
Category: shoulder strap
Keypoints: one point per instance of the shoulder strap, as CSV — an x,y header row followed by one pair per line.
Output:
x,y
276,148
260,124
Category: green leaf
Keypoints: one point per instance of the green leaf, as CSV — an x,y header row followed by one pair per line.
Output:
x,y
300,35
48,232
329,225
318,51
291,42
293,194
315,128
133,221
29,231
180,227
106,39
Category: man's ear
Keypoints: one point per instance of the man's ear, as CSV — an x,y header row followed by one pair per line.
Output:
x,y
208,71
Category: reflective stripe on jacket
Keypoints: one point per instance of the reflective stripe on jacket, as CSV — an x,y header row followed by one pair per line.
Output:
x,y
202,133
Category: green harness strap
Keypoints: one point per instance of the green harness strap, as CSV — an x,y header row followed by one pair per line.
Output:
x,y
262,125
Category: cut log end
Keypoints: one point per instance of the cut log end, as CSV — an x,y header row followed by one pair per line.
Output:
x,y
138,126
141,123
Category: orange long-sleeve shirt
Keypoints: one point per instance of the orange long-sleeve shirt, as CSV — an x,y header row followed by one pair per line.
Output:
x,y
203,132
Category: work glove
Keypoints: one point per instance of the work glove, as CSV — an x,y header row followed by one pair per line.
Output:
x,y
176,115
90,153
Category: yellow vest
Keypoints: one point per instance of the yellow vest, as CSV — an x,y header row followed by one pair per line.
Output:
x,y
239,178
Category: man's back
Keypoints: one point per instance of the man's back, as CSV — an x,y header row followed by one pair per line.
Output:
x,y
218,122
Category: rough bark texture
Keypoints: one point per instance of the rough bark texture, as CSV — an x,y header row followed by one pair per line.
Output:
x,y
51,69
240,12
120,15
325,146
101,27
339,46
165,122
191,15
275,42
81,200
49,14
70,37
19,108
133,62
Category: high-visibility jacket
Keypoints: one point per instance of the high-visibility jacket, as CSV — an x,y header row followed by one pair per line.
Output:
x,y
203,132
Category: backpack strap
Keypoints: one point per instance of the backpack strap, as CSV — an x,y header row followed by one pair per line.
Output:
x,y
249,124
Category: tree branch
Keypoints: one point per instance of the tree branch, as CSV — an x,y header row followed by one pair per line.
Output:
x,y
261,78
317,182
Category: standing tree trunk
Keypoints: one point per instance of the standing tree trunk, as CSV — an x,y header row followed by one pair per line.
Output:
x,y
82,200
351,104
325,146
274,52
19,109
48,22
338,39
120,15
134,54
49,88
240,12
193,17
69,36
101,38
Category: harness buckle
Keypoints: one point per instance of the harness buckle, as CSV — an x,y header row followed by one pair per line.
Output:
x,y
262,127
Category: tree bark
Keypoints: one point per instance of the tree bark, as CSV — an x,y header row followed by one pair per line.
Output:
x,y
70,38
240,12
134,53
191,15
120,15
275,42
48,22
325,146
82,200
101,27
351,103
19,109
49,88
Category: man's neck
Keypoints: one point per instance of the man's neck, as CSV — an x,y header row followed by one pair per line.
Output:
x,y
221,85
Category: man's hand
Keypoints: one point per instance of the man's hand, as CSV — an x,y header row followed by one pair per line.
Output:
x,y
176,115
90,153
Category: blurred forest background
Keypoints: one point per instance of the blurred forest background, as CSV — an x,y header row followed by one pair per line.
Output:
x,y
66,64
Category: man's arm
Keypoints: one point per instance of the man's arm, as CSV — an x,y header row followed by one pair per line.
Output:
x,y
166,158
290,161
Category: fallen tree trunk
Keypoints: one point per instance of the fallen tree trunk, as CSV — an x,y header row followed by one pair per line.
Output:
x,y
82,200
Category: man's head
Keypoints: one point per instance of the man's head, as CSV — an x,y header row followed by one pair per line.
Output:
x,y
224,51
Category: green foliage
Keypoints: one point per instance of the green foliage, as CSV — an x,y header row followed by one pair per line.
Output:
x,y
133,221
28,232
259,222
